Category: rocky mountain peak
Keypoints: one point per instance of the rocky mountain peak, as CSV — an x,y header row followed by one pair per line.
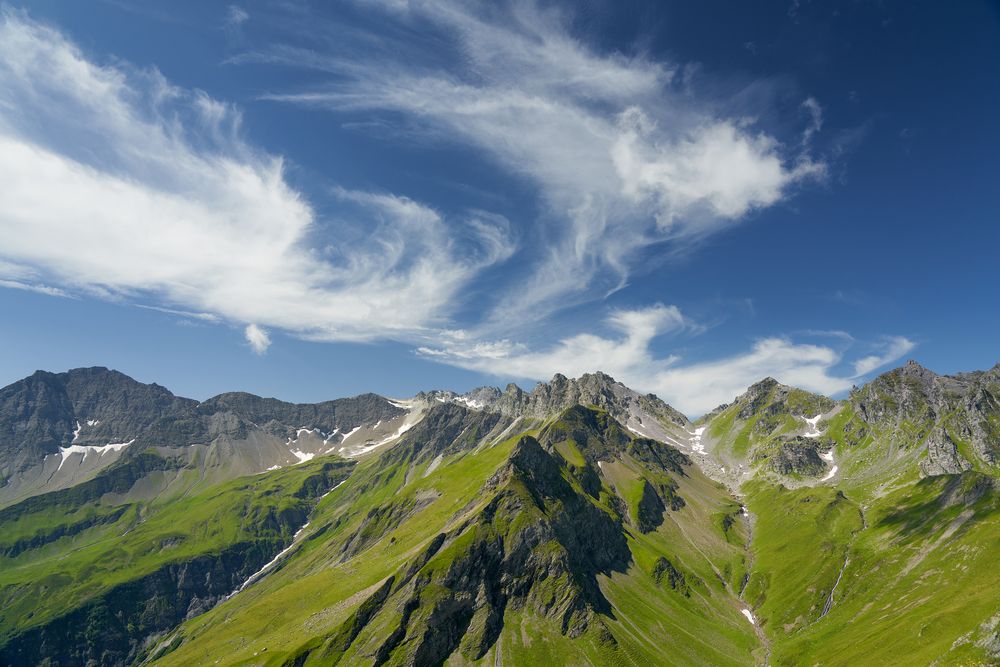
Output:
x,y
763,385
769,398
939,410
93,409
547,399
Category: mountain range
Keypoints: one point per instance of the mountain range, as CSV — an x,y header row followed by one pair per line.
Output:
x,y
579,523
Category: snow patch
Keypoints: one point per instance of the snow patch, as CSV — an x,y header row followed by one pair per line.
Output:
x,y
295,540
470,403
350,433
642,432
281,554
332,490
314,431
76,431
92,422
749,615
829,475
303,456
813,432
375,445
696,444
669,440
66,452
637,430
827,456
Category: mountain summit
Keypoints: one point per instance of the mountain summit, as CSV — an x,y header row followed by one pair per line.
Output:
x,y
580,522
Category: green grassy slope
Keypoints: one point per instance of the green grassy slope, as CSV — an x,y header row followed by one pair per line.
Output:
x,y
403,548
920,583
880,564
475,539
91,580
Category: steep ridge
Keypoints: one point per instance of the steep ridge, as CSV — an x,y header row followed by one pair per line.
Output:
x,y
86,581
573,524
870,515
545,544
57,430
645,413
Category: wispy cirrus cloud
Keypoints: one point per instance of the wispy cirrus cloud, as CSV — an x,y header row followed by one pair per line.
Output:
x,y
119,184
236,16
622,155
893,348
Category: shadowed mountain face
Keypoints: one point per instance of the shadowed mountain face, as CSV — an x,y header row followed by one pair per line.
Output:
x,y
95,406
579,523
542,529
58,429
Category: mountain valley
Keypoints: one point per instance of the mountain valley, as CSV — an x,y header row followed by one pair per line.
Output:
x,y
579,523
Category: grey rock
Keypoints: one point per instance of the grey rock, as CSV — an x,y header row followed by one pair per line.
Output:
x,y
912,404
798,455
942,455
40,414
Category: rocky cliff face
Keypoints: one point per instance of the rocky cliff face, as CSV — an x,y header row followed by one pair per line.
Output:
x,y
446,429
538,544
95,407
91,406
546,399
797,455
957,417
545,528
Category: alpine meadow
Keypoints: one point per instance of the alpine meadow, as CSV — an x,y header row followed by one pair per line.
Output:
x,y
530,332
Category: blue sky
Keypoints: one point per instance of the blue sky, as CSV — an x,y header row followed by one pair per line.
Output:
x,y
311,200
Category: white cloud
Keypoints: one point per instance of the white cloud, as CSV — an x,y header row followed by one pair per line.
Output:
x,y
236,16
693,388
257,338
815,119
621,155
574,355
33,287
894,348
119,184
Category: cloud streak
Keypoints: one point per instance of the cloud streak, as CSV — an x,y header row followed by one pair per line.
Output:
x,y
694,388
622,156
121,185
894,348
118,184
